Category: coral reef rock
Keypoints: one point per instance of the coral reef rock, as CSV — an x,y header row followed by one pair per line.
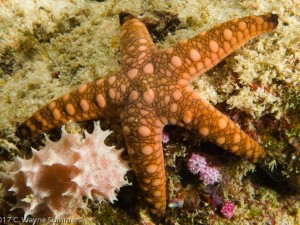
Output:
x,y
55,180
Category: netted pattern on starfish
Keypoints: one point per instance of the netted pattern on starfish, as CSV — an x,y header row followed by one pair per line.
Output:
x,y
152,90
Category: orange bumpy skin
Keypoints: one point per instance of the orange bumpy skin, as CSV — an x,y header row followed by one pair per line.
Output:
x,y
152,90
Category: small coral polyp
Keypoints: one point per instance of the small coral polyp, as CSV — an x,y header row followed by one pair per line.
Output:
x,y
55,180
198,165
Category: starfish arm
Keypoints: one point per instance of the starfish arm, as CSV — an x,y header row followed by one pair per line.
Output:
x,y
143,135
196,114
194,56
87,102
136,43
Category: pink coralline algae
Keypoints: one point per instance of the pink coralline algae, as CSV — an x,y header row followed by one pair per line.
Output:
x,y
198,165
55,180
228,209
165,138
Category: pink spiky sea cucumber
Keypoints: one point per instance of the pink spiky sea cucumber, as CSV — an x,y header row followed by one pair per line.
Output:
x,y
54,181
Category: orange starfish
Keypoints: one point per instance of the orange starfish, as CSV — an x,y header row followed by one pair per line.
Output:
x,y
152,90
